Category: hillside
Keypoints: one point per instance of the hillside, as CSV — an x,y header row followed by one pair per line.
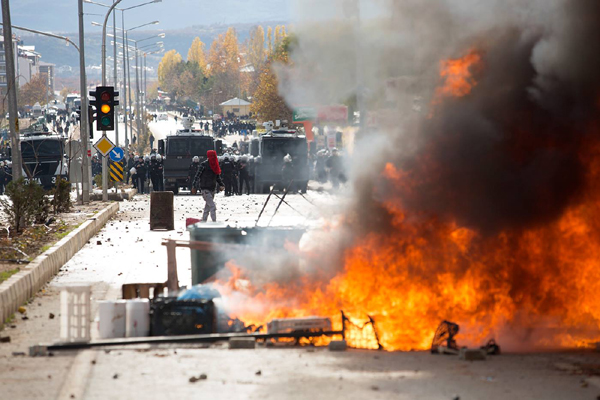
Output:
x,y
66,58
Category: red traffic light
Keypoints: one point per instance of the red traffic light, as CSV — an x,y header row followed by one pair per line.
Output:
x,y
105,96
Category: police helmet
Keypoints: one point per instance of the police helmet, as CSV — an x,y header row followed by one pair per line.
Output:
x,y
136,158
146,158
287,158
153,156
226,156
196,159
158,157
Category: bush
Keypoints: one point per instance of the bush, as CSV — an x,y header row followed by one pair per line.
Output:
x,y
61,201
27,204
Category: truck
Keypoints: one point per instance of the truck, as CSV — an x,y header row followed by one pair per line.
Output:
x,y
178,151
43,157
271,148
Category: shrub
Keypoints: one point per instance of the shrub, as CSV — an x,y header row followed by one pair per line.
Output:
x,y
27,204
61,201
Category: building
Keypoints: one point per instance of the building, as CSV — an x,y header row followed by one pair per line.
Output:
x,y
236,106
3,81
27,64
47,69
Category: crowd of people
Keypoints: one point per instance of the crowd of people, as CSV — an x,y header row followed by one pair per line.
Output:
x,y
145,169
234,126
237,173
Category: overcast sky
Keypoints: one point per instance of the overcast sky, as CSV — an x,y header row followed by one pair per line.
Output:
x,y
61,15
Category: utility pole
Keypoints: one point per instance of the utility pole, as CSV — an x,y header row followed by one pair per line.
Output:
x,y
84,135
104,160
137,93
129,88
125,74
13,116
115,63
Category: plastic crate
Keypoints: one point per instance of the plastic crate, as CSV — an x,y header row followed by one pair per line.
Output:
x,y
75,314
171,317
308,324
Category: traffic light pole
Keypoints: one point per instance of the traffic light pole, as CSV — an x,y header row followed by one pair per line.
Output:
x,y
84,135
104,160
11,79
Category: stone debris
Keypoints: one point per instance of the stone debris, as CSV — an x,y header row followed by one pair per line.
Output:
x,y
338,345
201,377
242,343
472,354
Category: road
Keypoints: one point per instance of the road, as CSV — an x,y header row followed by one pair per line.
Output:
x,y
126,251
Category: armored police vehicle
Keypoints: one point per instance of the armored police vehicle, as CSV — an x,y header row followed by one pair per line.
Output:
x,y
178,150
43,157
272,147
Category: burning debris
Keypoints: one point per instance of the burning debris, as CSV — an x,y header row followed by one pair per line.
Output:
x,y
444,342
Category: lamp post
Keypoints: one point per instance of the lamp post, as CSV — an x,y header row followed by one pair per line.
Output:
x,y
126,77
137,79
83,133
13,116
104,160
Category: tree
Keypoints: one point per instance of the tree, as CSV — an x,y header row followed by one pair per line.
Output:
x,y
256,48
167,77
196,53
34,91
269,41
267,102
225,62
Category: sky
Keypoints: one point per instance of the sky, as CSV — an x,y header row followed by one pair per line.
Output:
x,y
60,16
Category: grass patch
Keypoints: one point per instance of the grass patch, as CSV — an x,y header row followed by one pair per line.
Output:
x,y
7,274
9,319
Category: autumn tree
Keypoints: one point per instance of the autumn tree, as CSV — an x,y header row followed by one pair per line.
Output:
x,y
167,71
225,62
256,48
34,91
196,53
267,102
269,40
191,83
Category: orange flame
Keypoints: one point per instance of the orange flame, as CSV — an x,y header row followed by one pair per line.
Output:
x,y
458,76
536,287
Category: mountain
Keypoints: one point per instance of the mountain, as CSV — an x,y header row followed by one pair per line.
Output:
x,y
62,16
66,58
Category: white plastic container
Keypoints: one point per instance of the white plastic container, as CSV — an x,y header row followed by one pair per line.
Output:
x,y
138,318
75,313
111,319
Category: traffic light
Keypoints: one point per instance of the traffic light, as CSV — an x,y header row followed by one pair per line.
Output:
x,y
104,103
91,118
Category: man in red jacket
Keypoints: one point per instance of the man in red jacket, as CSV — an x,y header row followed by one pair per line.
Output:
x,y
207,177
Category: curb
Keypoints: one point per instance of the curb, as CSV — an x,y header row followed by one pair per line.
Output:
x,y
20,287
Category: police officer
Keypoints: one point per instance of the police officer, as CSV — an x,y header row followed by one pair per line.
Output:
x,y
227,170
154,173
193,170
336,174
141,173
206,180
244,175
287,172
160,176
236,175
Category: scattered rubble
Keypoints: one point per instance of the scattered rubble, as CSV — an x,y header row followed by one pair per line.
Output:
x,y
202,377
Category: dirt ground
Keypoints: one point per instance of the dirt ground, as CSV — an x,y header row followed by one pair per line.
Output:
x,y
34,241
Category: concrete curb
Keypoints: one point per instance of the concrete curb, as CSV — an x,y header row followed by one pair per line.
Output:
x,y
17,289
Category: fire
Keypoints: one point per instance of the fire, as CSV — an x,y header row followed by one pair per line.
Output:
x,y
528,287
458,76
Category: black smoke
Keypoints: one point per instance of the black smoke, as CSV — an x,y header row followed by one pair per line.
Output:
x,y
508,155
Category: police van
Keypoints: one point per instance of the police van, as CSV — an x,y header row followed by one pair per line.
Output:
x,y
43,157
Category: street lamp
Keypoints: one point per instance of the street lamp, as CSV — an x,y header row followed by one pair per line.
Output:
x,y
126,78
